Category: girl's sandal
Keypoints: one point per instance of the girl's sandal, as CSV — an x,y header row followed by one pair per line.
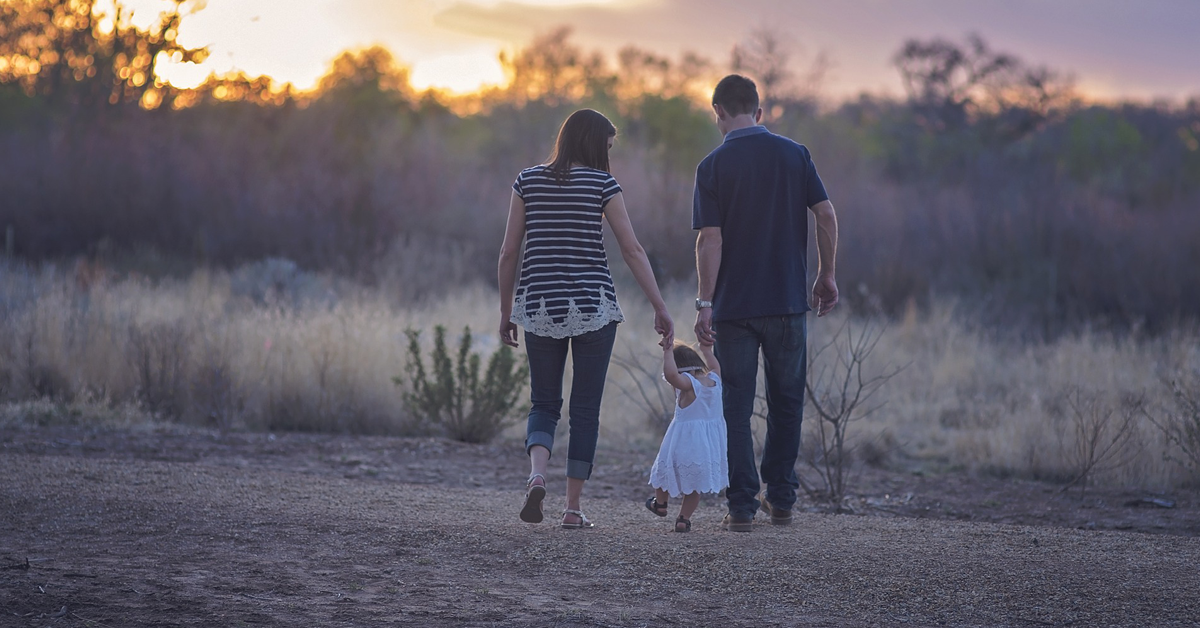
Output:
x,y
531,512
653,506
685,523
584,522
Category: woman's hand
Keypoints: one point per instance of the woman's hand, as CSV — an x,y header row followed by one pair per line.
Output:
x,y
664,326
508,332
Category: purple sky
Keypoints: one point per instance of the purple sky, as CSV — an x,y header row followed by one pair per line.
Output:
x,y
1139,49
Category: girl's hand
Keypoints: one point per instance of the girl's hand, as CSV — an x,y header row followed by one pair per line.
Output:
x,y
508,332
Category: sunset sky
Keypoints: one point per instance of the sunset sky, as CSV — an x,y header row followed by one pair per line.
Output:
x,y
1115,48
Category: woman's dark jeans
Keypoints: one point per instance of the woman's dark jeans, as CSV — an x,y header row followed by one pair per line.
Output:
x,y
781,339
590,353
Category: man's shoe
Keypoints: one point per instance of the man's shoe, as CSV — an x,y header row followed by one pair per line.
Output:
x,y
779,516
737,523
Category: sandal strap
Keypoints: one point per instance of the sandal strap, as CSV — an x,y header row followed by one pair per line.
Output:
x,y
534,477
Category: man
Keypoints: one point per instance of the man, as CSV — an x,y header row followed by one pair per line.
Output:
x,y
751,259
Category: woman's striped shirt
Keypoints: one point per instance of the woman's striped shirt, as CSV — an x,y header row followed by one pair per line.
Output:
x,y
565,288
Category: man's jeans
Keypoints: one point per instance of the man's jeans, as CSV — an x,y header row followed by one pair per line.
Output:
x,y
783,345
590,353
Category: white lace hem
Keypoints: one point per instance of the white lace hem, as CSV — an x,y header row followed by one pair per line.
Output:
x,y
575,323
682,478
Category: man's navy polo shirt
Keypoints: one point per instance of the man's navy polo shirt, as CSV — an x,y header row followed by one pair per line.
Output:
x,y
757,187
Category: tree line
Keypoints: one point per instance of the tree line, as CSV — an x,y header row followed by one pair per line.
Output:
x,y
990,181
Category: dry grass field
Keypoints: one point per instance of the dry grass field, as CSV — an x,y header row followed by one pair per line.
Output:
x,y
270,347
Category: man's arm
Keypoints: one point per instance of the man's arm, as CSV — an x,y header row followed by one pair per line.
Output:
x,y
708,264
825,290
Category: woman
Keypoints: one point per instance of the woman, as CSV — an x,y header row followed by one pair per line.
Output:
x,y
565,297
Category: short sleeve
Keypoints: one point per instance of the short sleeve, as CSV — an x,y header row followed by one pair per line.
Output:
x,y
814,187
706,212
519,185
611,189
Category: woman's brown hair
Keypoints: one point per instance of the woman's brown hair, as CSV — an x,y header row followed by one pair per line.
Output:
x,y
583,140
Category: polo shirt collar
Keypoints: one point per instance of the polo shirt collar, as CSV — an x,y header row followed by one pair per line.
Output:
x,y
750,130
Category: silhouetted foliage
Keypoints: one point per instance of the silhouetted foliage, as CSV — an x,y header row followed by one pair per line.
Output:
x,y
991,181
68,52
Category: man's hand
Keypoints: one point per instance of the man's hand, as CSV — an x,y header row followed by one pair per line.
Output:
x,y
825,294
704,330
508,332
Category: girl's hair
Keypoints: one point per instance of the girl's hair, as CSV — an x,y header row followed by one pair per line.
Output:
x,y
686,356
583,139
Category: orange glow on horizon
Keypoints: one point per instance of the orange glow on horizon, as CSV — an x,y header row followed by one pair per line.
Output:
x,y
459,73
450,46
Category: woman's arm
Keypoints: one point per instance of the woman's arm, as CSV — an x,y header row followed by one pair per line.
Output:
x,y
506,268
635,257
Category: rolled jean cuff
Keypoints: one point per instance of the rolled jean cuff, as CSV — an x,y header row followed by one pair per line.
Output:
x,y
539,438
579,469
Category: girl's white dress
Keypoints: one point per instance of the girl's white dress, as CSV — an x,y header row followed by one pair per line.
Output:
x,y
692,455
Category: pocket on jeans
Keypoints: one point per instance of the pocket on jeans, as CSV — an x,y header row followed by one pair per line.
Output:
x,y
793,331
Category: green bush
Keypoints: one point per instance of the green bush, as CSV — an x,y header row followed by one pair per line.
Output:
x,y
452,395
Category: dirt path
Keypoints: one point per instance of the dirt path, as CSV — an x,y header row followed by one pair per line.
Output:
x,y
161,529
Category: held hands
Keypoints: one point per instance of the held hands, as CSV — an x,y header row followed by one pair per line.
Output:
x,y
664,326
825,294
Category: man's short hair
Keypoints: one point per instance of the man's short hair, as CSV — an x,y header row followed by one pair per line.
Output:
x,y
736,94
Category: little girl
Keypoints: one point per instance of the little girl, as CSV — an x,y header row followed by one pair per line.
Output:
x,y
691,459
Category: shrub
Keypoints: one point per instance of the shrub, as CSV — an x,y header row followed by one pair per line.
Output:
x,y
643,388
452,394
1180,425
158,354
840,390
1101,436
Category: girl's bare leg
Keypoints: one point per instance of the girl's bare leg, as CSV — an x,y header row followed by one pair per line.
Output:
x,y
661,496
690,502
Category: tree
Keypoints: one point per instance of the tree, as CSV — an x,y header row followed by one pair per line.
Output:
x,y
766,56
951,85
371,71
71,53
555,71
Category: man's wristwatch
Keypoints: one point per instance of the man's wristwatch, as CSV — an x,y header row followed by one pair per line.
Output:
x,y
700,305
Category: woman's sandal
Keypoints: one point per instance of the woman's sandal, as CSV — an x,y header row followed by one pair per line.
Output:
x,y
686,523
584,522
531,512
653,506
